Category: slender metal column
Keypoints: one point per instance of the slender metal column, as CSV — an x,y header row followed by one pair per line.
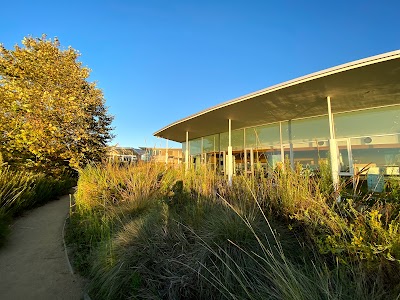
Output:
x,y
166,152
230,133
229,158
281,142
187,151
215,157
244,138
291,145
333,150
331,129
202,155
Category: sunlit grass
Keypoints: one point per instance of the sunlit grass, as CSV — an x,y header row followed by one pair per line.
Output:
x,y
152,232
22,190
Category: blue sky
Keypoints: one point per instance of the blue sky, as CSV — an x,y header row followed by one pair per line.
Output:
x,y
160,61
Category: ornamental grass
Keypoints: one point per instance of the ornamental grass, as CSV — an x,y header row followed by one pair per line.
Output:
x,y
151,231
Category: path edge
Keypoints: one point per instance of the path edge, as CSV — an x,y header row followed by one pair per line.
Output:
x,y
71,269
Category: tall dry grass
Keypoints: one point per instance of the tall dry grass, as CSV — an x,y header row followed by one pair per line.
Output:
x,y
22,190
154,232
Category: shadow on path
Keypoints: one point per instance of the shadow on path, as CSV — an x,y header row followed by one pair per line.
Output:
x,y
33,264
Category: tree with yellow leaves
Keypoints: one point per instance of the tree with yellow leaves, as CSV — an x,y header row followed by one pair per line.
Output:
x,y
50,115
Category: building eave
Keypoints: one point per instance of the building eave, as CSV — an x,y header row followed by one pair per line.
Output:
x,y
356,85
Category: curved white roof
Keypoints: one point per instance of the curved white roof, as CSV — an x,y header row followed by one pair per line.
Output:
x,y
369,82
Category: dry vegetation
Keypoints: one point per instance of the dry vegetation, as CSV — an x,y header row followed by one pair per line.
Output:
x,y
153,232
22,190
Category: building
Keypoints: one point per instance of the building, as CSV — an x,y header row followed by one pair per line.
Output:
x,y
169,155
124,154
349,114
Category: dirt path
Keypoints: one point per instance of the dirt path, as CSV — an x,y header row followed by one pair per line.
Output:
x,y
33,264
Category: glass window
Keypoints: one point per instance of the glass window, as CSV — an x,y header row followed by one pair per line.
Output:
x,y
211,143
183,147
195,147
251,140
261,137
223,141
367,122
270,158
308,154
309,129
238,139
378,153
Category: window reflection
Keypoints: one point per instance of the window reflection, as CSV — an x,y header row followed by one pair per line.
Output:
x,y
365,139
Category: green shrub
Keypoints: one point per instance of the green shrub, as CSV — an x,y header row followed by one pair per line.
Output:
x,y
21,190
155,232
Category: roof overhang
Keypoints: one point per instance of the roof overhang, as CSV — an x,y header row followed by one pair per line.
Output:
x,y
365,83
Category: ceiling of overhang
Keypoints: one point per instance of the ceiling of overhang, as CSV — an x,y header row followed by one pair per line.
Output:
x,y
361,87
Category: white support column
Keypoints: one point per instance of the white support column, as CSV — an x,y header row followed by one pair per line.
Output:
x,y
166,152
202,158
229,161
291,152
281,142
215,156
244,138
333,149
187,151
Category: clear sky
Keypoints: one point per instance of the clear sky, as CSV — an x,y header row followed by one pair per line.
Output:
x,y
160,61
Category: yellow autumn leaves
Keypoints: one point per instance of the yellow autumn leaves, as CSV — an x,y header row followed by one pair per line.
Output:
x,y
49,112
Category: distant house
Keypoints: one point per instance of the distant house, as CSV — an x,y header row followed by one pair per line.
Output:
x,y
124,154
169,155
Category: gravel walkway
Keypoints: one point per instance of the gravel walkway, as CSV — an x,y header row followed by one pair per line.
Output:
x,y
33,263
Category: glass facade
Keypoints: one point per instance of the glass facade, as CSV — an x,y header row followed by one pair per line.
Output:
x,y
309,154
237,139
308,130
195,147
379,153
385,120
374,139
365,139
183,147
263,137
211,143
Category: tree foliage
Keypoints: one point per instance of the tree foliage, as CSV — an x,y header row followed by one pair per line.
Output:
x,y
49,113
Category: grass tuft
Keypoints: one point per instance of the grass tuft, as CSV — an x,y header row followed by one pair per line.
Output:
x,y
22,190
155,232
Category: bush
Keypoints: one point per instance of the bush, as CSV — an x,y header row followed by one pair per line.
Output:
x,y
155,232
21,190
